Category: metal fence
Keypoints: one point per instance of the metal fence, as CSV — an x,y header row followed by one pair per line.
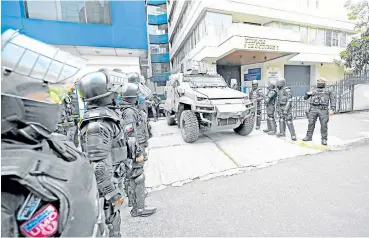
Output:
x,y
344,91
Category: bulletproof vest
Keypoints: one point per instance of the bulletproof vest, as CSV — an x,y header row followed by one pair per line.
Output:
x,y
283,96
156,101
320,97
118,144
140,123
274,98
253,94
51,190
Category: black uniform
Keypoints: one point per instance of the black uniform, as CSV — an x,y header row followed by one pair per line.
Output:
x,y
269,101
48,188
320,100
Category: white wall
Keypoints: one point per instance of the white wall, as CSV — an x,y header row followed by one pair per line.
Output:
x,y
126,64
361,97
327,17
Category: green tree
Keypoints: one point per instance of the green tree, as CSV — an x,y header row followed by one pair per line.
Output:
x,y
356,55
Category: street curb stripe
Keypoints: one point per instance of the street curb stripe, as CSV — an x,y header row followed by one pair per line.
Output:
x,y
307,145
312,146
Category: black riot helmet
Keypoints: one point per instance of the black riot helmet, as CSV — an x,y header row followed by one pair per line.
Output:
x,y
36,78
281,83
254,84
100,87
321,83
130,93
272,83
133,78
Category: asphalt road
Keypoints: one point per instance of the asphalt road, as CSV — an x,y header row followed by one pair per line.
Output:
x,y
316,195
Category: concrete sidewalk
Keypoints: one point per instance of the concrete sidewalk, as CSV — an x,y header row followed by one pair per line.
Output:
x,y
174,162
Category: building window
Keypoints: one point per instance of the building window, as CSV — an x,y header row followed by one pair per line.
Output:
x,y
312,36
343,41
320,37
157,29
157,10
159,48
328,37
335,38
304,34
93,12
158,68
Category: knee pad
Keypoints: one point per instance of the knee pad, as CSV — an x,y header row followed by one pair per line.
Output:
x,y
289,122
140,179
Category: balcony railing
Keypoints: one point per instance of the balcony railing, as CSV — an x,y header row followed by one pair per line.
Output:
x,y
158,19
160,58
158,39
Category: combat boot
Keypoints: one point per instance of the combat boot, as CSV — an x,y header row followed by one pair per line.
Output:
x,y
268,127
273,128
282,129
139,208
324,142
291,128
307,138
258,122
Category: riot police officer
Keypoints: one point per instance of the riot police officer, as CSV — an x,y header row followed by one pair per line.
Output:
x,y
73,115
135,125
269,102
105,142
320,100
69,117
48,188
256,95
284,109
155,103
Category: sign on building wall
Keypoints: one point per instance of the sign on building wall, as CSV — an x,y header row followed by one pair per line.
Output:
x,y
259,44
253,74
273,72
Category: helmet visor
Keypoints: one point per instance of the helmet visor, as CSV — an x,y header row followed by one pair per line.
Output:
x,y
31,62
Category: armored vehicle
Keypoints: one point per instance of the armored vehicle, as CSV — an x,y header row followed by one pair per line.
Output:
x,y
199,100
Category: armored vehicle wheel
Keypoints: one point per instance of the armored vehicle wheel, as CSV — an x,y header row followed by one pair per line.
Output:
x,y
170,121
189,126
246,127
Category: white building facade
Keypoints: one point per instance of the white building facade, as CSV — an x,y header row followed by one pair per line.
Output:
x,y
258,39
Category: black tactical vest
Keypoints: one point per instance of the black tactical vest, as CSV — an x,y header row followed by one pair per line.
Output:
x,y
51,191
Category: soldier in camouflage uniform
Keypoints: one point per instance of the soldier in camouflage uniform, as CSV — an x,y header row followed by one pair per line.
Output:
x,y
48,188
105,142
269,102
256,95
320,100
284,109
135,124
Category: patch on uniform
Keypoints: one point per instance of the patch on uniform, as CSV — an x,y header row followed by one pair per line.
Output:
x,y
129,127
29,207
43,224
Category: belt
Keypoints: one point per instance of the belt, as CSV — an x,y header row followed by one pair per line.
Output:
x,y
320,107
